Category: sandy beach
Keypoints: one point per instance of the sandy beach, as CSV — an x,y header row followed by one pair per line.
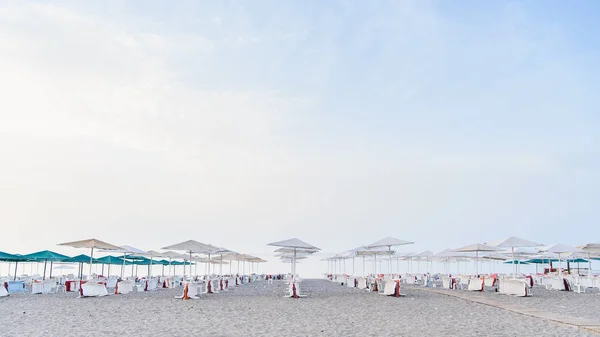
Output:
x,y
259,309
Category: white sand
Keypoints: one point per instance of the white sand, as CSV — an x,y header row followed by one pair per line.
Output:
x,y
585,305
261,310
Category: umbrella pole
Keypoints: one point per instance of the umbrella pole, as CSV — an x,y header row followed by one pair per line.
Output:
x,y
353,273
513,258
589,263
294,266
44,277
100,273
230,268
50,270
15,276
238,272
390,262
91,261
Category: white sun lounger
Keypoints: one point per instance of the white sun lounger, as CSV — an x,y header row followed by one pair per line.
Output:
x,y
124,287
516,287
93,289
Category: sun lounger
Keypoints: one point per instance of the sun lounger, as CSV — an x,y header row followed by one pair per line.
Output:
x,y
475,284
294,289
93,288
516,287
124,287
44,287
191,290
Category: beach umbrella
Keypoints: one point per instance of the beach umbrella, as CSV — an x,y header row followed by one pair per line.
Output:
x,y
6,257
125,250
477,248
296,245
562,249
80,260
46,255
217,251
365,251
591,248
427,255
190,247
172,255
515,262
91,244
389,242
516,242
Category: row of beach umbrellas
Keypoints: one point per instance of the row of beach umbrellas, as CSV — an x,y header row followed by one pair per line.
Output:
x,y
513,248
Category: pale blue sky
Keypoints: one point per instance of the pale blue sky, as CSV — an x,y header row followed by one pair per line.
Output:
x,y
338,122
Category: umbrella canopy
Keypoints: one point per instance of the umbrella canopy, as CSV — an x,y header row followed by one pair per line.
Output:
x,y
477,248
64,267
294,243
190,246
562,249
112,260
515,262
389,242
90,243
173,255
179,263
10,257
364,251
45,255
426,254
515,242
80,259
591,247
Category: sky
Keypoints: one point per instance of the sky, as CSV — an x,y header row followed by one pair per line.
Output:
x,y
239,123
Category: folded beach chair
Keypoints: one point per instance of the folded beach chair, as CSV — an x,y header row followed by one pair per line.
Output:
x,y
516,287
93,288
294,289
191,290
4,289
124,287
44,287
391,288
476,284
362,283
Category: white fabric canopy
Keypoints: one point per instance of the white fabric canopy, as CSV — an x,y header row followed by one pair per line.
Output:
x,y
293,243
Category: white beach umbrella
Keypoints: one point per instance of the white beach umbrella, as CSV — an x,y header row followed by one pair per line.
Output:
x,y
372,251
125,250
591,249
295,244
427,255
389,242
190,247
562,249
218,251
91,244
477,248
515,242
